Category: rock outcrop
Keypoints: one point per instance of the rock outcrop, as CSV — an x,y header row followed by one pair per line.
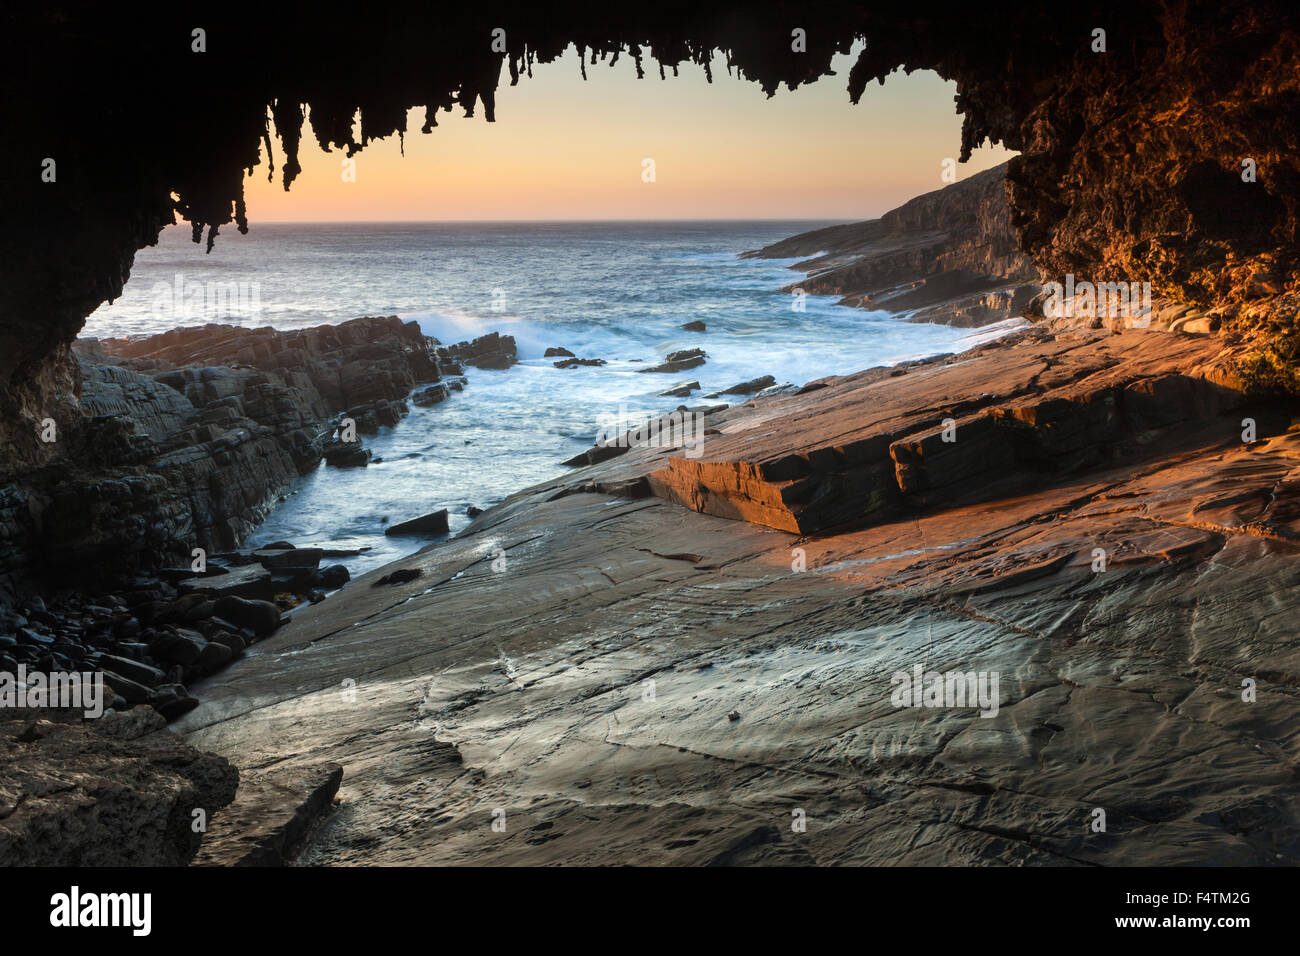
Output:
x,y
184,440
433,523
949,256
487,351
579,363
117,791
679,361
629,680
997,420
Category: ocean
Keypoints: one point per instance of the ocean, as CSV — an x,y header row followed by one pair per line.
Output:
x,y
617,291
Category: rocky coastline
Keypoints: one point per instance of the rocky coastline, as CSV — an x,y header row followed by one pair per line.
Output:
x,y
827,538
661,658
122,557
950,256
665,654
656,657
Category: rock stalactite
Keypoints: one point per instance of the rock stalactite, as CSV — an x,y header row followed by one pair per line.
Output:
x,y
1134,122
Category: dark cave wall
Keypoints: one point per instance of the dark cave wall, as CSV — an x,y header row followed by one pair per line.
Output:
x,y
1129,167
1136,172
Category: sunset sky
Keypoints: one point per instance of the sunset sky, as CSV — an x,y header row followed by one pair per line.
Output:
x,y
562,148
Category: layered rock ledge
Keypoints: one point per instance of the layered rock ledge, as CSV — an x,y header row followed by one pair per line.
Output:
x,y
999,420
617,678
950,256
186,439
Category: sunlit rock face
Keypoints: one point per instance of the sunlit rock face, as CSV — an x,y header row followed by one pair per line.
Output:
x,y
949,256
1173,160
1130,166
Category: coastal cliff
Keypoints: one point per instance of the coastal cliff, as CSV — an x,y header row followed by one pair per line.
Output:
x,y
950,256
185,440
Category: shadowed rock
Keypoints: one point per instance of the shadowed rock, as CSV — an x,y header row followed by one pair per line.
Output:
x,y
679,361
433,523
272,812
487,351
120,791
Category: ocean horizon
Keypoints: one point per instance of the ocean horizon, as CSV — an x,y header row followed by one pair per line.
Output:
x,y
617,291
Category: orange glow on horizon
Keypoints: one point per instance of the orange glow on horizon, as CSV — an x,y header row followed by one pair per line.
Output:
x,y
566,149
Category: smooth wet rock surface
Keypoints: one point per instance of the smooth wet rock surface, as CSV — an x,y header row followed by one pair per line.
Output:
x,y
622,679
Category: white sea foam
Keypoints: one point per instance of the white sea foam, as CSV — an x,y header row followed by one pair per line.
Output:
x,y
618,292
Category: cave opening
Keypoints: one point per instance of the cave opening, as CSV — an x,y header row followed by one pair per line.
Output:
x,y
710,141
843,449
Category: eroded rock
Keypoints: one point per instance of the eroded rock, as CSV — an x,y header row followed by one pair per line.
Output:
x,y
121,791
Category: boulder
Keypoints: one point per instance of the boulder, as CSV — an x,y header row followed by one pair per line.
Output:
x,y
433,523
276,559
750,387
262,617
215,656
179,646
172,701
332,577
137,671
347,455
679,361
250,581
133,692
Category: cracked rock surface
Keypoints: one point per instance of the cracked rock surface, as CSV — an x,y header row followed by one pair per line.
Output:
x,y
622,679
